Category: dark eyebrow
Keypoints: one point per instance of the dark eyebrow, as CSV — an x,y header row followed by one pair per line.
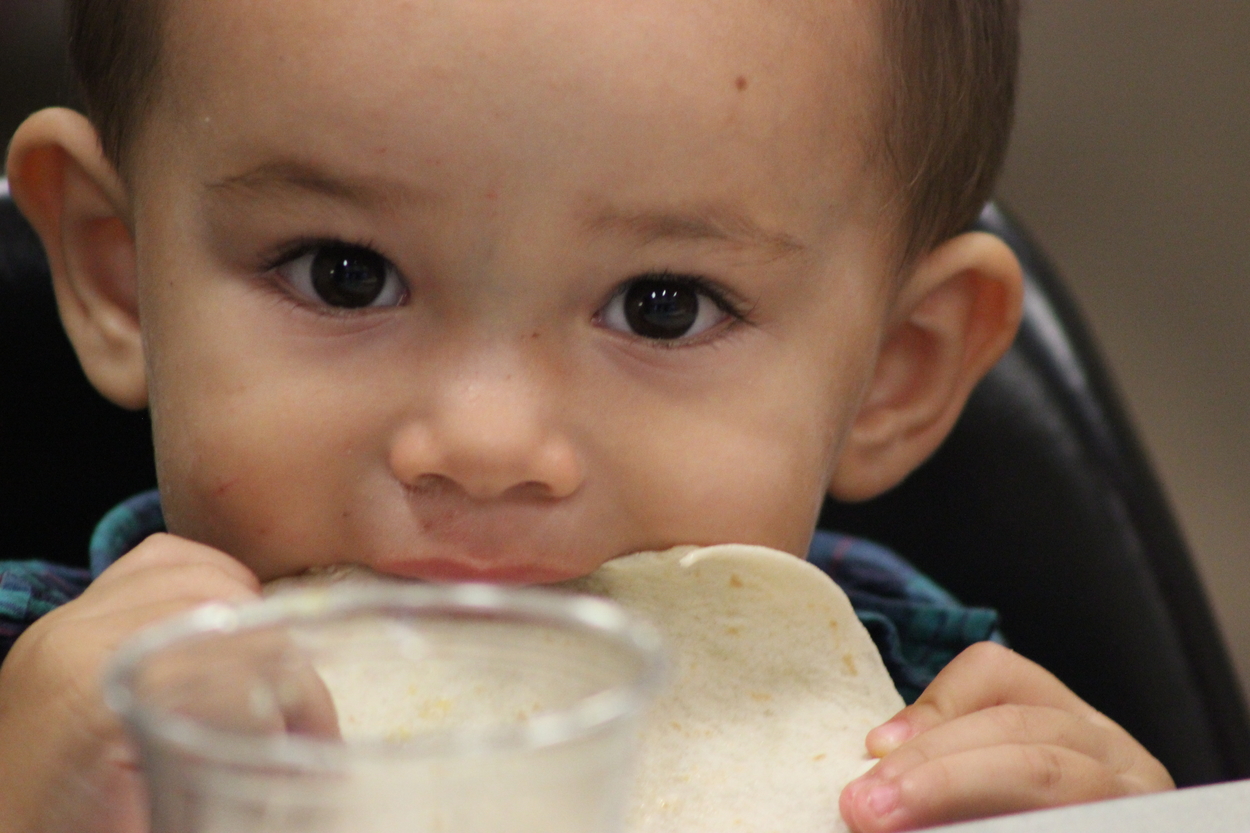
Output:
x,y
291,175
711,223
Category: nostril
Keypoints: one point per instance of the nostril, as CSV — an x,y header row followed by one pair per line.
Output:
x,y
530,490
483,464
433,484
438,485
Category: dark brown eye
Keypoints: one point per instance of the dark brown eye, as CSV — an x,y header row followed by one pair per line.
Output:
x,y
661,309
348,276
666,308
343,276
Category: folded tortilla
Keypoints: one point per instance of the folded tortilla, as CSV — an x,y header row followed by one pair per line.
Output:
x,y
775,684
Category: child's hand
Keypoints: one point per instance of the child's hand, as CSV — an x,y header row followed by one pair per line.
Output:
x,y
994,733
64,763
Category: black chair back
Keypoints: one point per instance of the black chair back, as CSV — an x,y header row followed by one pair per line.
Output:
x,y
1043,505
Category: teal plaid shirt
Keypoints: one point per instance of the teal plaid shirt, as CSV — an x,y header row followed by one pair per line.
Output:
x,y
917,626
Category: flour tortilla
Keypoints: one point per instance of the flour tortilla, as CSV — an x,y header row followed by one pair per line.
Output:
x,y
347,575
775,684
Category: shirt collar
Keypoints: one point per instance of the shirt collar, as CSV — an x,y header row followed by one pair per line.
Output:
x,y
124,528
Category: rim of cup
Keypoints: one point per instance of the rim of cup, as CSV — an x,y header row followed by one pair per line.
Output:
x,y
597,712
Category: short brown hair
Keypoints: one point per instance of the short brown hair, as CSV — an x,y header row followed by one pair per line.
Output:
x,y
948,95
115,51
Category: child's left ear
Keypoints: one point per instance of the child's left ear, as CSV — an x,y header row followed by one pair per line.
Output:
x,y
955,315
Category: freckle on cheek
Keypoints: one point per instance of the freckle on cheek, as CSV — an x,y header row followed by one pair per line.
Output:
x,y
741,83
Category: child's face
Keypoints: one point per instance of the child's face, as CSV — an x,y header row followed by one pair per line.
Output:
x,y
637,277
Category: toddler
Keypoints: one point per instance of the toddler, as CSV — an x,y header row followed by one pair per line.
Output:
x,y
498,291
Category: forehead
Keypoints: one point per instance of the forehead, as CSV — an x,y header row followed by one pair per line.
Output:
x,y
375,86
656,36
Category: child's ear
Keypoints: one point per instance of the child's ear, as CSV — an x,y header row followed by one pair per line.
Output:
x,y
74,198
955,315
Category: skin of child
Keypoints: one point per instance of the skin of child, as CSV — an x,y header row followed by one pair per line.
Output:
x,y
495,413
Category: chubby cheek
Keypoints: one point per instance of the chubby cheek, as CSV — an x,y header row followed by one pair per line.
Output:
x,y
747,456
256,457
751,470
256,483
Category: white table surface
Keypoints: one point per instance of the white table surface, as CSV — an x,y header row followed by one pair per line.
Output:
x,y
1222,808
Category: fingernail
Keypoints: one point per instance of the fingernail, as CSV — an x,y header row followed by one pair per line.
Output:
x,y
883,799
889,736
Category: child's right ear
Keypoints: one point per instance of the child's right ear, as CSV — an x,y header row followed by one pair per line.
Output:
x,y
79,206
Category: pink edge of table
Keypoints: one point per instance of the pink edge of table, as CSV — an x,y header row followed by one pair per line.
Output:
x,y
1221,808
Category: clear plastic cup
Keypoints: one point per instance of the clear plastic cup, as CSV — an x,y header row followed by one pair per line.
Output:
x,y
414,708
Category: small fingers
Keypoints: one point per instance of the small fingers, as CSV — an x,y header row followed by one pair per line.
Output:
x,y
163,576
163,550
313,714
979,783
994,733
982,676
167,567
1101,740
256,683
1014,724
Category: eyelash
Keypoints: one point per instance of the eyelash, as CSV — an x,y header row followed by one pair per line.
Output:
x,y
292,251
738,309
728,301
288,252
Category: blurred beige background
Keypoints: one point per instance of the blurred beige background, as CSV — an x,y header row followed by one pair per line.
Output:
x,y
1131,164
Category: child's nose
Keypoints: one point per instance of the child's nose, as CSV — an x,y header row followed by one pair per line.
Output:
x,y
491,438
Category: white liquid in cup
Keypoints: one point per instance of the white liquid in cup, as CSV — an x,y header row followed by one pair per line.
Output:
x,y
416,708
